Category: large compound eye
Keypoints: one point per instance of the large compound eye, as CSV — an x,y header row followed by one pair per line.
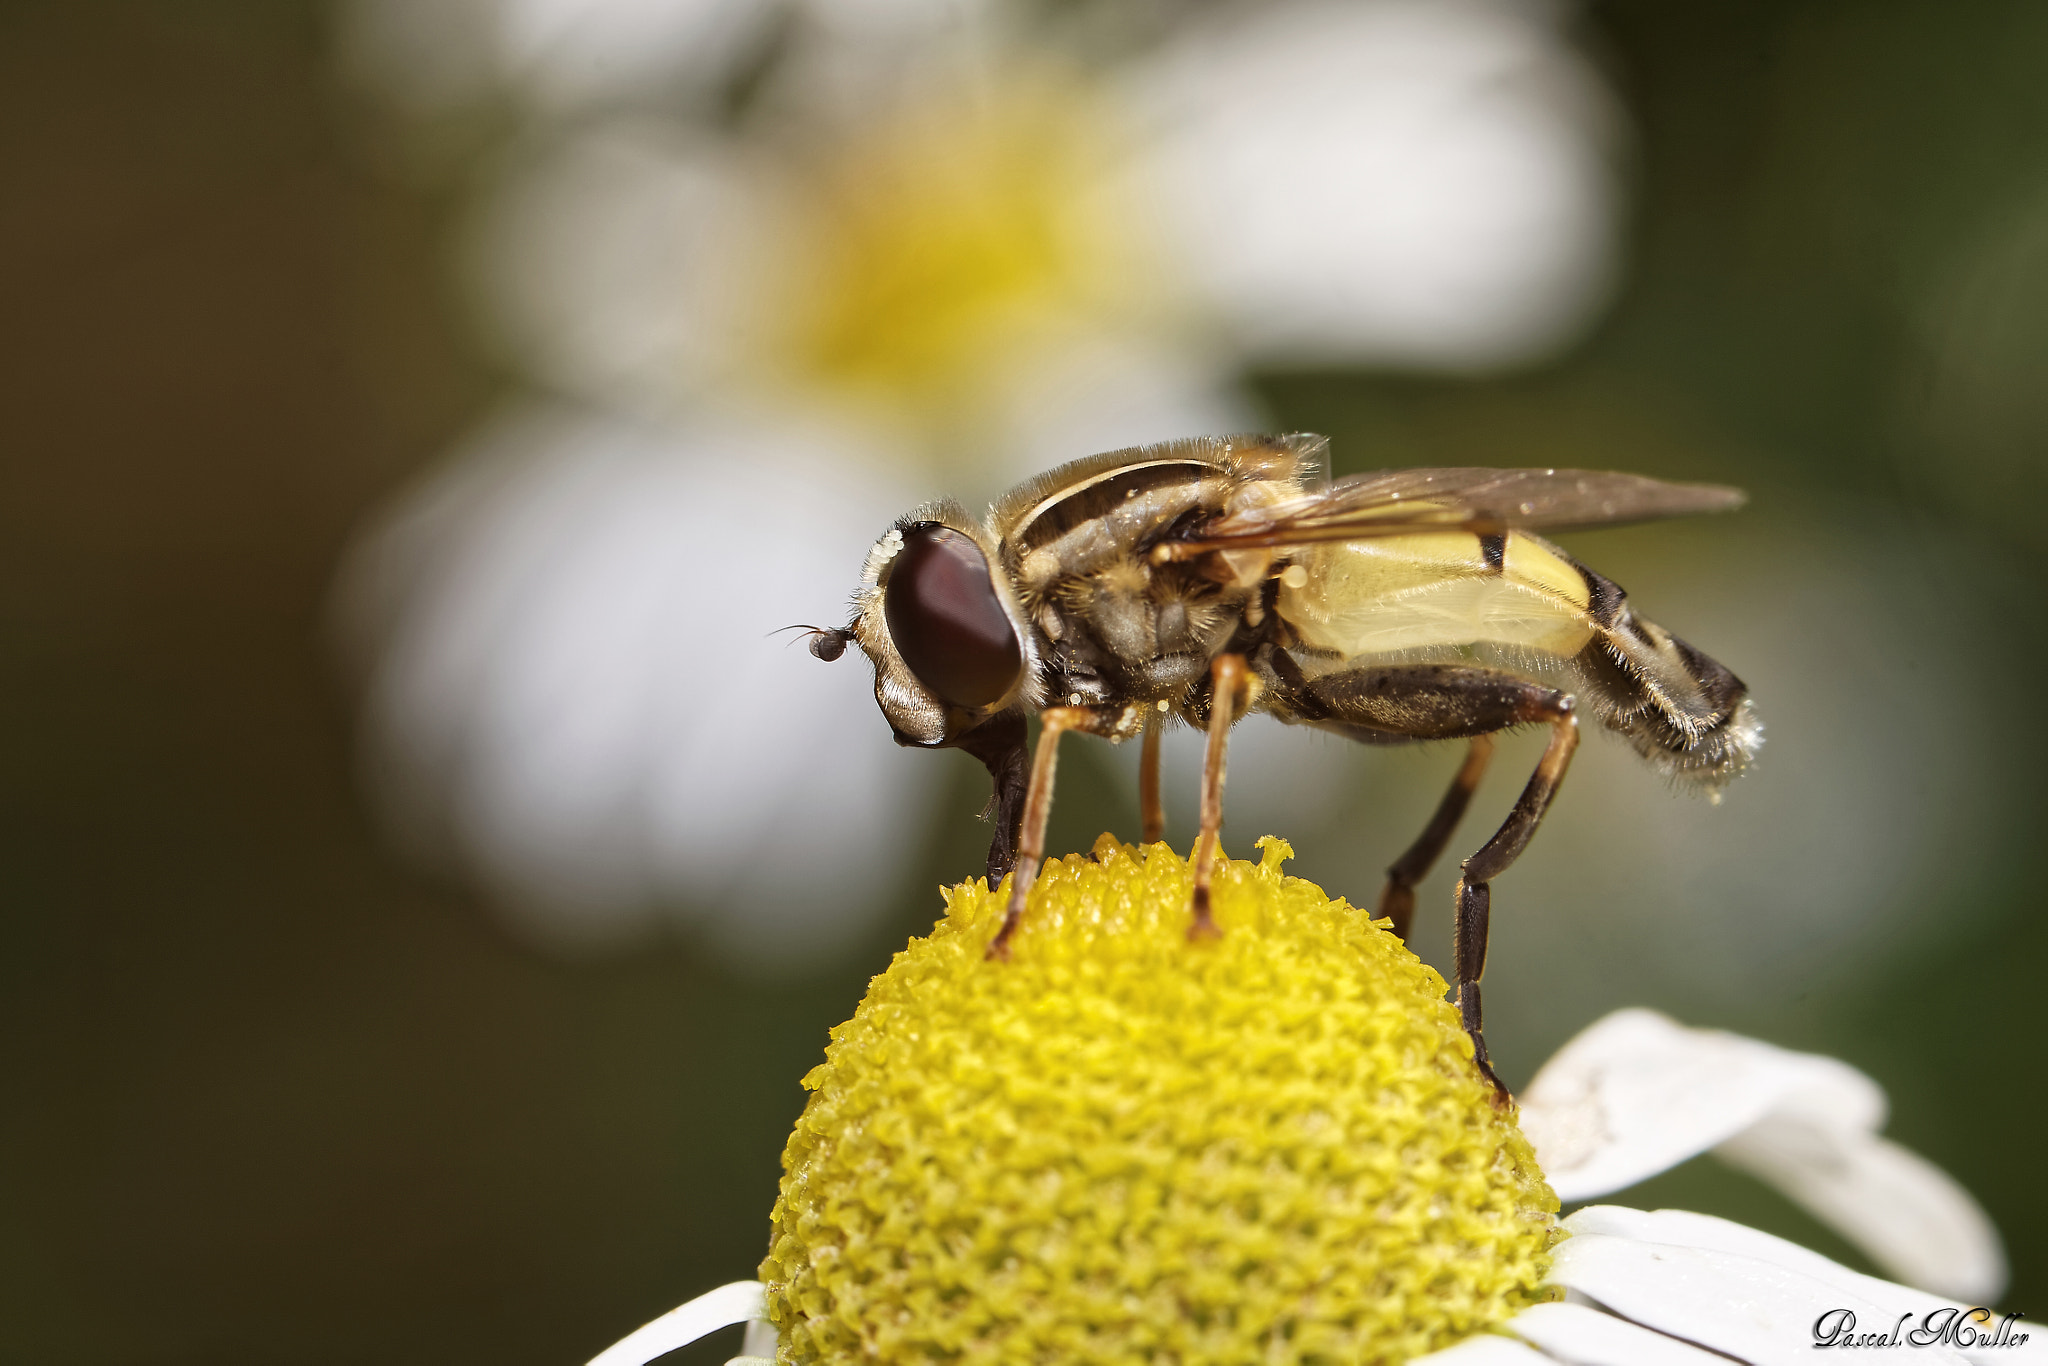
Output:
x,y
946,621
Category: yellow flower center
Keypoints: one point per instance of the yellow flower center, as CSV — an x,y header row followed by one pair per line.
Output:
x,y
940,242
1122,1146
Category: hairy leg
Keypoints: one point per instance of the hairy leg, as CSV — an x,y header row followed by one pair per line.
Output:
x,y
1151,810
1397,899
1447,702
1037,810
1000,744
1475,893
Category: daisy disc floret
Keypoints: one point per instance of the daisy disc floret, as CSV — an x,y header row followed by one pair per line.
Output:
x,y
1120,1145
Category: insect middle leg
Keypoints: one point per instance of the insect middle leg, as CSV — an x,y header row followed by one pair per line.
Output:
x,y
1447,702
1151,810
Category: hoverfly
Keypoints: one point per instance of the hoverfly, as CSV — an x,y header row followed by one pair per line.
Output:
x,y
1207,578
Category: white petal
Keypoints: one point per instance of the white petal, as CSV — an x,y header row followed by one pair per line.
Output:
x,y
1682,1228
761,1340
1637,1093
1755,1311
572,52
573,679
1485,1349
1908,1215
739,1302
620,263
433,55
843,60
1587,1337
1417,181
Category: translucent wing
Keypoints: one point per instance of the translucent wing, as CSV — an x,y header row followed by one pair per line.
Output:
x,y
1396,502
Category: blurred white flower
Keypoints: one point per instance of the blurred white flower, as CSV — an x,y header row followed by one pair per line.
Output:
x,y
1631,1096
1418,183
1410,181
432,56
928,249
573,681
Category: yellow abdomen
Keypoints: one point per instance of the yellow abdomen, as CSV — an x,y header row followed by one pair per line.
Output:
x,y
1436,589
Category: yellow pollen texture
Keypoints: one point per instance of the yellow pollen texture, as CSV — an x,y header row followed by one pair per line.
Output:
x,y
1123,1146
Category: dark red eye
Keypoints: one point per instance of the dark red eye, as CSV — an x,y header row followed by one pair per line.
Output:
x,y
946,621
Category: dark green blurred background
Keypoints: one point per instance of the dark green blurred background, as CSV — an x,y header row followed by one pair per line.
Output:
x,y
275,1098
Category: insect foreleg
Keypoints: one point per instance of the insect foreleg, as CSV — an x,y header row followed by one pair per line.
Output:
x,y
1000,744
1037,809
1230,693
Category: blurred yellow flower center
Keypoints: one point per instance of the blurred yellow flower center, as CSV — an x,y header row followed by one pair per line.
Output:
x,y
1121,1146
942,241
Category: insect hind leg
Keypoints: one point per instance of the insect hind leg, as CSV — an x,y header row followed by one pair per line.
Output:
x,y
1475,892
1397,899
1446,702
